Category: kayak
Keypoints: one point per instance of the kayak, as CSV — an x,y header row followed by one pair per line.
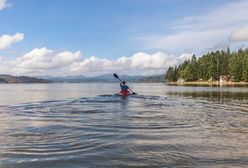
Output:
x,y
124,93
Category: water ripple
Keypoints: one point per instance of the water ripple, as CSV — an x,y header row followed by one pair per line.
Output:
x,y
135,131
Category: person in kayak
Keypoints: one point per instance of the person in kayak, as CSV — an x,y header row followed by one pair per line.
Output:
x,y
124,88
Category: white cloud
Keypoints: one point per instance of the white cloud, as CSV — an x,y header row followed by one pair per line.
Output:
x,y
139,63
7,40
4,66
3,4
198,33
189,40
240,34
43,61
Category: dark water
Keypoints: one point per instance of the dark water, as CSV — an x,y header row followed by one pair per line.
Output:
x,y
162,126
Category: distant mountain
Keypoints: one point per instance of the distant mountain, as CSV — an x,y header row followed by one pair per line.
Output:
x,y
21,79
65,79
112,79
153,79
107,78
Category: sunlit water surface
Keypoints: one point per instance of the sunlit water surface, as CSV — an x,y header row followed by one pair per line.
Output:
x,y
88,125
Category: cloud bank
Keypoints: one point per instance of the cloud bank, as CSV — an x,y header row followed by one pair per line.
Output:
x,y
7,40
43,61
3,4
216,29
240,34
198,33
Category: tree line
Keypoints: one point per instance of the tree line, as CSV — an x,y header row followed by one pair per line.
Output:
x,y
212,65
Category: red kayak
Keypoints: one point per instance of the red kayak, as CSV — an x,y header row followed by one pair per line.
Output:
x,y
124,93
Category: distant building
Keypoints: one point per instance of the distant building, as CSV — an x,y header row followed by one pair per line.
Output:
x,y
210,79
180,80
224,78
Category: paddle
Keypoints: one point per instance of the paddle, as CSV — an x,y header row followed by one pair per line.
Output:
x,y
117,77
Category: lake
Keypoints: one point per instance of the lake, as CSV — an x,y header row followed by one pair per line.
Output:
x,y
88,125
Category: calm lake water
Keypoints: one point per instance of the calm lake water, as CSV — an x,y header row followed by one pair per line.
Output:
x,y
88,125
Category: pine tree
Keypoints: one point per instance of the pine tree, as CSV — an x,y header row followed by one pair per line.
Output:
x,y
212,65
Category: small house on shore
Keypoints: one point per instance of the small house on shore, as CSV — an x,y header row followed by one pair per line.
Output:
x,y
180,80
224,78
210,79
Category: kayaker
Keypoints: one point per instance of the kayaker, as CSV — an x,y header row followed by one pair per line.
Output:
x,y
124,88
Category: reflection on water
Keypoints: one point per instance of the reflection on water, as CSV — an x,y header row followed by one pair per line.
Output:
x,y
219,96
210,92
210,85
167,126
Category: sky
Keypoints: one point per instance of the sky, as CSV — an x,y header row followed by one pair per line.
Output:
x,y
135,37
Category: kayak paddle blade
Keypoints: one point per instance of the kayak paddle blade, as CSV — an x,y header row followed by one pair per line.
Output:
x,y
116,76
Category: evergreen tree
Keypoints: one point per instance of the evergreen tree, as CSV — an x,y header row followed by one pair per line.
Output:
x,y
169,74
212,65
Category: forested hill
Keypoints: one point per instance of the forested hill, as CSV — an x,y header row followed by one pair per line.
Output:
x,y
153,79
212,65
21,79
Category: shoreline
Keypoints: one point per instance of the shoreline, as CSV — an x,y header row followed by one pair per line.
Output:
x,y
207,83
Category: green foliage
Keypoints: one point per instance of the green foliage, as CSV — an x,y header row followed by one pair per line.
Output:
x,y
170,74
212,65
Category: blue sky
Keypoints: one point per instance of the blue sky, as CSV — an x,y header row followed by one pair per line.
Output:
x,y
112,29
105,28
